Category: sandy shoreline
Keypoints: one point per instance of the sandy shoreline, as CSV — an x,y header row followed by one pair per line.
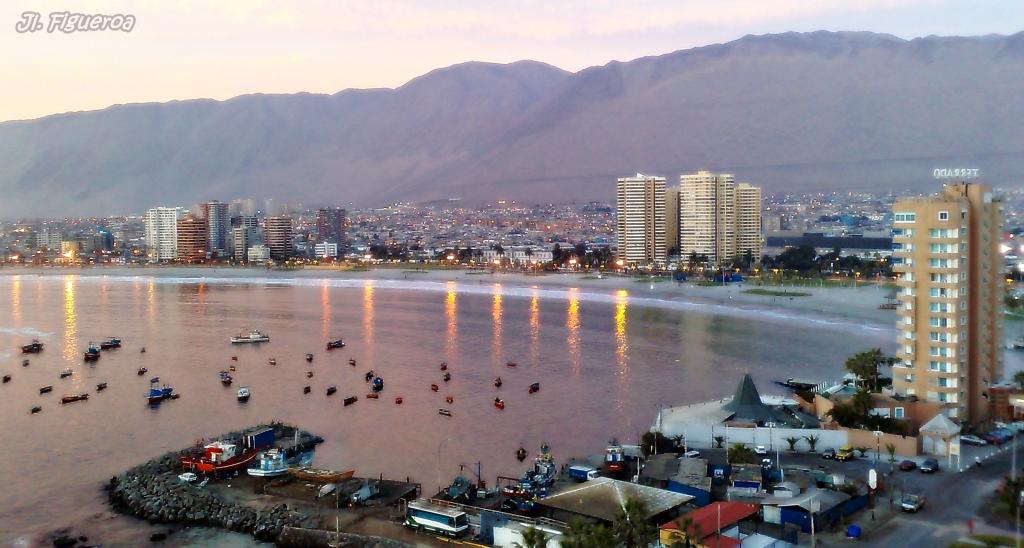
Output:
x,y
824,306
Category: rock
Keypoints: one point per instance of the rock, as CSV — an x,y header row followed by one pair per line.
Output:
x,y
64,541
158,537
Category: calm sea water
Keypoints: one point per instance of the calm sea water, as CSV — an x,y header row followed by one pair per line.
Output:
x,y
606,363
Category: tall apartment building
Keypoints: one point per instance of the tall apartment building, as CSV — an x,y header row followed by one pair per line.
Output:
x,y
242,238
640,220
278,235
718,218
193,240
672,220
217,223
946,252
330,226
162,233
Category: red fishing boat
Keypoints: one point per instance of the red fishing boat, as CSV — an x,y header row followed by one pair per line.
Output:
x,y
220,457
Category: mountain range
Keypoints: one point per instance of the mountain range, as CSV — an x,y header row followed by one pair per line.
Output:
x,y
830,111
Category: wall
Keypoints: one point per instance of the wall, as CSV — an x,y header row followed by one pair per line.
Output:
x,y
906,446
702,436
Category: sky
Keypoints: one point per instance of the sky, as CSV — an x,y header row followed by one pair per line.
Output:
x,y
220,49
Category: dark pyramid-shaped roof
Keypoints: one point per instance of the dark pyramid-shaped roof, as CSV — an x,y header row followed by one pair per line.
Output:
x,y
746,403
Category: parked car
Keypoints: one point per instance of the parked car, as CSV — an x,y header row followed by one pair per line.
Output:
x,y
691,454
907,465
828,454
760,450
1006,433
930,466
912,503
992,439
844,453
969,439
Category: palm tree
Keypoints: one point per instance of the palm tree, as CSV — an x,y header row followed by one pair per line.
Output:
x,y
578,535
601,537
631,528
677,440
792,441
686,535
533,538
740,453
719,441
812,441
890,448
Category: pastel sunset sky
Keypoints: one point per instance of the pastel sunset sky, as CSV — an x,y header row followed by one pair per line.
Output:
x,y
219,49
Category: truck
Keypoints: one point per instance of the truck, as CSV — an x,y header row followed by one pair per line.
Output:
x,y
582,473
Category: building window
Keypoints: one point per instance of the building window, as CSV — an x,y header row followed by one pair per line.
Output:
x,y
904,217
943,215
897,413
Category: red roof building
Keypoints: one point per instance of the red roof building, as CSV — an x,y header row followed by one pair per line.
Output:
x,y
705,524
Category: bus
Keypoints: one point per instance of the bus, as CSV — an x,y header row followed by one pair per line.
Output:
x,y
420,514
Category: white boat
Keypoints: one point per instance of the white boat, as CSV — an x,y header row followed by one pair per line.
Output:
x,y
254,336
188,477
243,393
275,463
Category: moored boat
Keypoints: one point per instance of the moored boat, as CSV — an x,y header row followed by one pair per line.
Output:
x,y
309,357
435,387
24,363
535,387
369,375
226,380
350,400
445,412
352,362
306,389
399,400
101,386
336,343
614,458
331,389
309,374
449,399
244,394
272,361
373,395
276,462
36,409
45,389
66,373
499,403
254,336
92,353
377,384
110,343
315,475
7,379
73,398
154,380
511,364
157,394
446,377
33,347
497,382
444,366
141,371
220,457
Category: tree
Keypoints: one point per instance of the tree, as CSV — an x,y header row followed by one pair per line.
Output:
x,y
719,441
578,535
533,538
740,453
890,448
1018,378
865,366
687,534
792,441
631,528
812,441
601,537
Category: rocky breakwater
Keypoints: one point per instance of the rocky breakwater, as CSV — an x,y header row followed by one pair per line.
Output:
x,y
153,491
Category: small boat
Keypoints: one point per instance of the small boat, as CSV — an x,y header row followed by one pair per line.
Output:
x,y
157,395
444,366
497,382
511,364
331,389
276,462
219,457
101,386
306,389
65,374
142,371
272,361
226,380
377,384
444,412
499,403
92,353
33,347
309,357
350,400
254,336
447,377
521,454
24,363
435,387
449,399
352,362
373,395
234,358
243,394
7,379
154,380
535,387
336,343
232,369
398,400
309,374
45,389
142,350
174,396
36,409
73,398
368,376
110,343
